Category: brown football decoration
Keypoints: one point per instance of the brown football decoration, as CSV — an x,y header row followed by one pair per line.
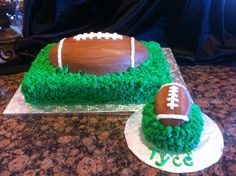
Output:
x,y
98,53
173,104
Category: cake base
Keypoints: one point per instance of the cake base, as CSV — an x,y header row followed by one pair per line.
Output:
x,y
18,106
206,154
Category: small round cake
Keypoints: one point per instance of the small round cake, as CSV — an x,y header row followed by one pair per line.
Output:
x,y
162,125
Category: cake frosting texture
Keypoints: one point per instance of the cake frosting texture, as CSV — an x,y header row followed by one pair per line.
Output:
x,y
172,139
45,84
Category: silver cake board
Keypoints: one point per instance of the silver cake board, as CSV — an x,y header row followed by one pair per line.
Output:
x,y
18,106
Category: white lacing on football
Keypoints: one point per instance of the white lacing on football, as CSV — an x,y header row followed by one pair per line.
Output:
x,y
132,40
173,116
172,99
59,50
173,83
98,35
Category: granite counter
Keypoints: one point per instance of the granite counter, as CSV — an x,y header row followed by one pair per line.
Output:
x,y
95,144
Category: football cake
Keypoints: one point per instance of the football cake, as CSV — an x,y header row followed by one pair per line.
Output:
x,y
96,68
98,53
172,122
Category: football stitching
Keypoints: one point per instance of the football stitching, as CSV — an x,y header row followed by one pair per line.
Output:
x,y
172,99
98,35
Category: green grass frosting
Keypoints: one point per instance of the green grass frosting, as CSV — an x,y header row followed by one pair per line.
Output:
x,y
45,84
172,139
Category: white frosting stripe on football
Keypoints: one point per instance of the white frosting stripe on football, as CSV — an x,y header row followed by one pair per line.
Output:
x,y
173,83
172,99
172,116
59,58
132,61
98,35
177,84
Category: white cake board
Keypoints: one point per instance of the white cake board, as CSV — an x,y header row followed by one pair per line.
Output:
x,y
206,154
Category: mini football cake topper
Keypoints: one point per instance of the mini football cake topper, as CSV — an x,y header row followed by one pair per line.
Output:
x,y
98,53
173,104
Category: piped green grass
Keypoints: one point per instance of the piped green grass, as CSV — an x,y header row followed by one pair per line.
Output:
x,y
172,139
45,84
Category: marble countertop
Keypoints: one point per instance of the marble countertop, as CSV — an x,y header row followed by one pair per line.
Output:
x,y
95,144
